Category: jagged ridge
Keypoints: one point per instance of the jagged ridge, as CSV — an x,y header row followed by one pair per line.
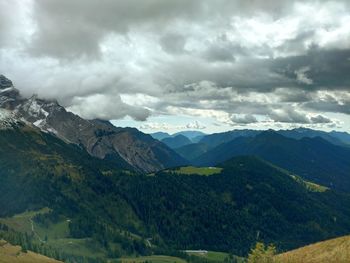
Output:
x,y
128,147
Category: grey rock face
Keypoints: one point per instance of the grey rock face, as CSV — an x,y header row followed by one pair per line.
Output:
x,y
8,94
125,146
5,82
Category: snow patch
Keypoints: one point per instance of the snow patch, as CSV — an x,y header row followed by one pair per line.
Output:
x,y
34,109
6,90
4,114
52,130
39,123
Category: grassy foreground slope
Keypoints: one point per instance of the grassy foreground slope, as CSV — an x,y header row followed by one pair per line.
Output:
x,y
14,254
331,251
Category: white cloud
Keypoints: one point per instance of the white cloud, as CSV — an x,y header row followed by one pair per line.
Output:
x,y
106,108
195,125
158,126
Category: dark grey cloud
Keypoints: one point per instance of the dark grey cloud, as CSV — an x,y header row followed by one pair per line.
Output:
x,y
290,115
74,28
336,103
318,69
297,43
320,119
219,53
222,49
295,95
173,43
245,119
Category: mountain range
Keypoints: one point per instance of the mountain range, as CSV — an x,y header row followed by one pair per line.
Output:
x,y
123,146
215,139
314,159
315,155
249,199
86,191
178,139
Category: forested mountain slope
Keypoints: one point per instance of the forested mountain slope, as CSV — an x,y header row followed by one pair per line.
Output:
x,y
314,159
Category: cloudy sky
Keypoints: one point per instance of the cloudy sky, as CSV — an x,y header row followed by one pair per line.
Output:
x,y
184,64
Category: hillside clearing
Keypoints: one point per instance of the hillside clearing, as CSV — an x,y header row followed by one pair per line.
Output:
x,y
205,171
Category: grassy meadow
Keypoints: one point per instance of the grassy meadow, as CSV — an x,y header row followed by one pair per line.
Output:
x,y
331,251
205,171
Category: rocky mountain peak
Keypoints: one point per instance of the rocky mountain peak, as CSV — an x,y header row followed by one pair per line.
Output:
x,y
128,147
5,82
9,96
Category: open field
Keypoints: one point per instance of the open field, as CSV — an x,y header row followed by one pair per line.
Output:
x,y
22,222
331,251
14,254
206,171
312,187
78,247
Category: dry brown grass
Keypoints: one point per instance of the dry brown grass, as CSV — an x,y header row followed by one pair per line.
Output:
x,y
13,254
331,251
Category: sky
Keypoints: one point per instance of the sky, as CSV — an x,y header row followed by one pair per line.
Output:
x,y
170,65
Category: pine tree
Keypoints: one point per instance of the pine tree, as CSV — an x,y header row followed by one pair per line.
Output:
x,y
262,254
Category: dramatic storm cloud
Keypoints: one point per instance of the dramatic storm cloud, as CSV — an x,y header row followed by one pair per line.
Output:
x,y
212,65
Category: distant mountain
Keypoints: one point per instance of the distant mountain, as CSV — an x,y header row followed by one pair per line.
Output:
x,y
300,133
342,136
194,136
338,138
176,141
99,138
160,135
314,159
192,151
215,139
207,142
